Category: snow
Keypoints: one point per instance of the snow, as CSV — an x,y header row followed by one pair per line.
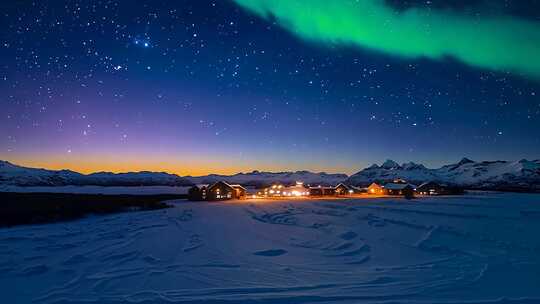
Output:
x,y
266,178
521,174
112,190
479,248
14,175
494,175
390,164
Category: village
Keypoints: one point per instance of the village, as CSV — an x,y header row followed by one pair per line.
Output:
x,y
222,190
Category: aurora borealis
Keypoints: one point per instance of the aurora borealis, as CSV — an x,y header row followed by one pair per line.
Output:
x,y
197,87
493,42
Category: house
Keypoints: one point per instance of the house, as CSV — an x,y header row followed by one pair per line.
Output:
x,y
279,190
342,189
434,188
322,191
240,191
274,190
198,192
400,189
430,188
297,190
218,191
375,189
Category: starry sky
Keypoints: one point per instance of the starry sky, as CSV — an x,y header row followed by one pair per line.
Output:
x,y
198,86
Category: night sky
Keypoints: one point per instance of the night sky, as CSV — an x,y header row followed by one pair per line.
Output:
x,y
193,87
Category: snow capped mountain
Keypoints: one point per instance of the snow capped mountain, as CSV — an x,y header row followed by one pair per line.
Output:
x,y
390,170
523,175
493,174
496,175
257,178
11,174
14,175
135,179
390,165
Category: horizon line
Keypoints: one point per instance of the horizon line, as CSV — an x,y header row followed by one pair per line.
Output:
x,y
83,172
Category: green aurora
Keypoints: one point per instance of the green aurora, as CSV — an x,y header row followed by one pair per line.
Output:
x,y
501,43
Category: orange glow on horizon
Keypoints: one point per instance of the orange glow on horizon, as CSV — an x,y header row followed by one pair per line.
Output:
x,y
189,167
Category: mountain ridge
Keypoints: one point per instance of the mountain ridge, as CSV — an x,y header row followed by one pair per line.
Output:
x,y
522,175
12,174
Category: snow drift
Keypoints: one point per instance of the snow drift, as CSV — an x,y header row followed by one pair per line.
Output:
x,y
474,249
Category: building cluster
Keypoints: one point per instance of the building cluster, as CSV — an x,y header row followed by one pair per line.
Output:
x,y
300,190
216,192
224,191
401,187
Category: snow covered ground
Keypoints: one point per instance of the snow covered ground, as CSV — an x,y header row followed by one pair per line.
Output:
x,y
479,248
111,190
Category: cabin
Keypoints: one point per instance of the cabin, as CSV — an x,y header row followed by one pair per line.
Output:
x,y
297,190
198,192
240,191
342,189
322,191
274,190
280,190
434,188
430,188
375,189
399,189
218,191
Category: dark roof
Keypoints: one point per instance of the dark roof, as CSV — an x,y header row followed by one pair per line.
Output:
x,y
221,182
394,186
322,187
238,186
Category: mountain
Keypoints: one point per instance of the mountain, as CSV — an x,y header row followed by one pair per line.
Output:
x,y
11,174
257,178
390,170
14,175
502,175
523,175
493,175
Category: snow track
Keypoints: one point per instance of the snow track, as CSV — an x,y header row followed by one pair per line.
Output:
x,y
477,249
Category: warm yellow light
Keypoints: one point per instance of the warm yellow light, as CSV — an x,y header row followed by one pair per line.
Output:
x,y
272,191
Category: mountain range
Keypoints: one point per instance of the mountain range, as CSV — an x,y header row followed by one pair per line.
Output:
x,y
523,175
13,175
